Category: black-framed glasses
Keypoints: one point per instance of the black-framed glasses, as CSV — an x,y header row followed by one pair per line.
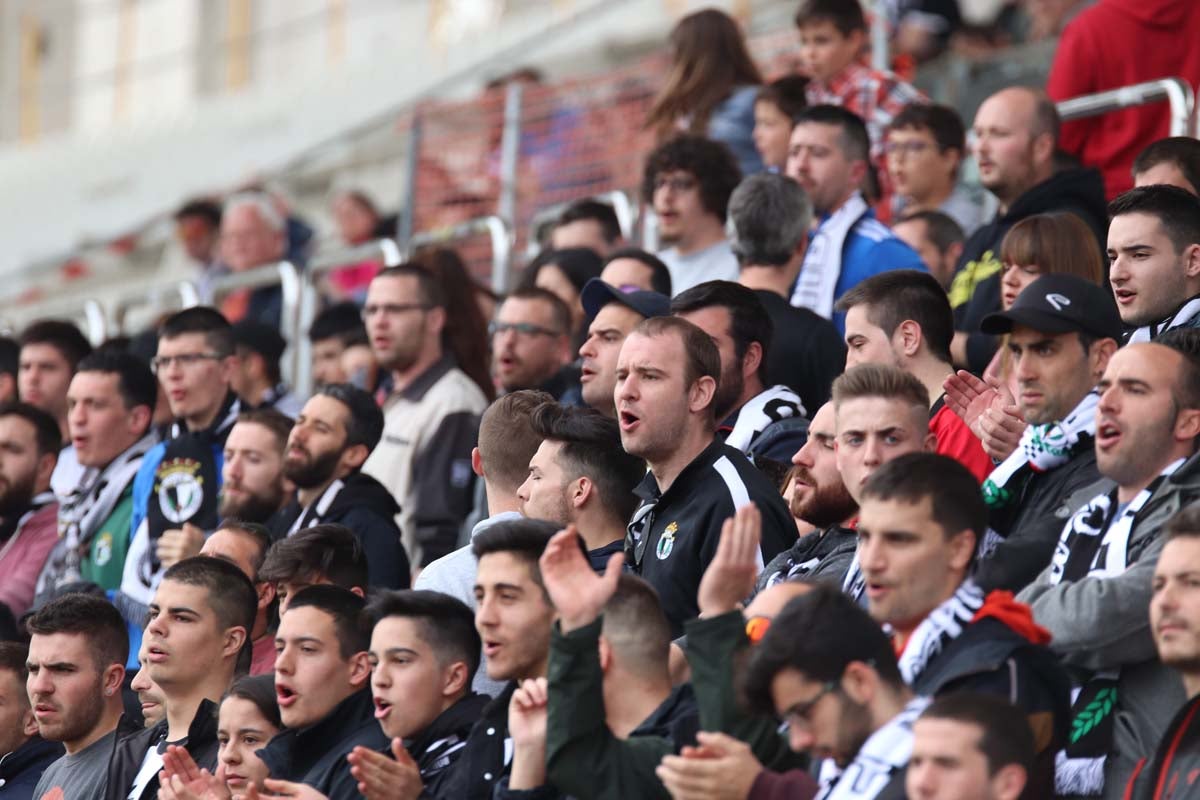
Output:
x,y
392,309
797,715
184,360
676,183
520,328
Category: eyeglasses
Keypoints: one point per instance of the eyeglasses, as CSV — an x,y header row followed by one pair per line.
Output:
x,y
797,715
392,309
913,148
676,183
184,360
520,328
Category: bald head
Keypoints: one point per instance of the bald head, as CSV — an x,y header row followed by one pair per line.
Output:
x,y
1016,135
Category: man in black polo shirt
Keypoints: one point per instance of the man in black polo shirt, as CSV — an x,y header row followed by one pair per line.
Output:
x,y
666,381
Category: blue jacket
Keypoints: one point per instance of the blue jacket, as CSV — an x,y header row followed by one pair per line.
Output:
x,y
871,248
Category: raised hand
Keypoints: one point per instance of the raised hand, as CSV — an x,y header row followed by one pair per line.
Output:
x,y
383,778
527,727
577,592
969,396
720,768
729,578
182,779
177,544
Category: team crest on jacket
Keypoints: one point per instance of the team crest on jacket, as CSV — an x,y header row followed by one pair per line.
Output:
x,y
180,489
666,542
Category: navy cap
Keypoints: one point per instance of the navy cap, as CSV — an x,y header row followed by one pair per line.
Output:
x,y
597,294
1060,304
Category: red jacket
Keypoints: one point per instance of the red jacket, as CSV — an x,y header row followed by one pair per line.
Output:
x,y
23,556
1117,43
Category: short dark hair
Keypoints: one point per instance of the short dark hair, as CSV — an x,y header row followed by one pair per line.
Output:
x,y
263,339
506,438
274,420
207,210
786,93
589,209
342,321
330,551
702,357
251,530
711,163
1186,342
577,264
218,333
559,311
446,623
352,627
47,434
63,336
853,139
953,492
14,657
835,632
428,286
748,319
259,690
364,419
524,539
942,121
1005,736
879,380
135,382
846,15
1182,151
660,274
636,626
10,356
231,595
87,615
899,295
1177,210
591,446
940,228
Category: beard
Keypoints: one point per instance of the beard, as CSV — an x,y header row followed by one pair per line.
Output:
x,y
826,506
854,728
253,508
728,393
314,471
16,496
76,719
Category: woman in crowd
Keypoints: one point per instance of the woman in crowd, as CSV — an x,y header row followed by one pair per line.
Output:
x,y
466,326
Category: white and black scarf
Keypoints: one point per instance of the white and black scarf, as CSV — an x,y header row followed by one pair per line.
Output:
x,y
880,760
1181,318
817,283
943,625
765,408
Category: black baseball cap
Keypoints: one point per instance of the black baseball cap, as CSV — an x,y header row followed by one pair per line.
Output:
x,y
1060,304
597,294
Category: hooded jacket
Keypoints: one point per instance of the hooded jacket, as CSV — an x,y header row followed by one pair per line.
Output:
x,y
130,750
1116,43
440,745
821,555
1078,191
21,769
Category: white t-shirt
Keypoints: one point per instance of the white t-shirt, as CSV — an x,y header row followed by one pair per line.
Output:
x,y
714,263
152,764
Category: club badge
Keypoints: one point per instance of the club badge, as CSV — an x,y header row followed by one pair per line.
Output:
x,y
180,489
666,542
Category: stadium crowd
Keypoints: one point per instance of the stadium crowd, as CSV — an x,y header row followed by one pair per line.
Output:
x,y
801,506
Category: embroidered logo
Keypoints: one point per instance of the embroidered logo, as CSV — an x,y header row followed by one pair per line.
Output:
x,y
1058,301
180,489
666,542
103,549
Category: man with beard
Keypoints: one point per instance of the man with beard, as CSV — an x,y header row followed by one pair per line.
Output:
x,y
820,498
26,755
531,345
336,430
29,444
432,413
254,488
77,654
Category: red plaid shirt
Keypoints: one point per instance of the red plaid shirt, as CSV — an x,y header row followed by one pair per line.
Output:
x,y
875,96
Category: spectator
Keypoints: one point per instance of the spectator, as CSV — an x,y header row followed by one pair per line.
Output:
x,y
1154,257
29,447
630,268
833,34
197,630
902,318
565,273
710,86
581,477
466,320
111,401
245,545
336,432
937,238
253,485
324,554
27,755
258,379
819,498
687,181
335,331
970,747
1062,331
198,230
666,385
77,653
775,108
948,634
150,697
925,148
1016,138
424,652
588,223
766,423
253,234
611,313
1174,161
1093,597
431,415
1173,618
1092,57
610,718
770,217
531,345
829,157
248,719
10,361
50,352
358,222
322,674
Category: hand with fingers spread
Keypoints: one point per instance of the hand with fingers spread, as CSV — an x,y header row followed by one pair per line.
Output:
x,y
277,788
383,778
527,726
969,396
182,779
720,768
729,578
577,592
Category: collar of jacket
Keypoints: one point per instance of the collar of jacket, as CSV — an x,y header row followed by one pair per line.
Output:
x,y
34,749
418,386
648,488
299,749
457,720
664,720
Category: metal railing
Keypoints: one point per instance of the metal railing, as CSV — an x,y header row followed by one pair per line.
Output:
x,y
1175,91
625,209
500,232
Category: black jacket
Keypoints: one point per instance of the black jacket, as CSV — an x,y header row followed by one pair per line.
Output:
x,y
130,750
21,769
821,555
1174,771
806,352
1032,523
671,544
1078,191
441,744
316,755
486,757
